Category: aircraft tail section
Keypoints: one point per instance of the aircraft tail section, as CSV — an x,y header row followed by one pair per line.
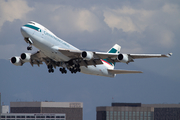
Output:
x,y
115,49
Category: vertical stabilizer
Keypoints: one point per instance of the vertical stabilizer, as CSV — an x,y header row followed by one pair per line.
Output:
x,y
115,49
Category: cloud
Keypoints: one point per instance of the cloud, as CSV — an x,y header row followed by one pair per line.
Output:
x,y
13,9
127,18
75,19
160,23
100,26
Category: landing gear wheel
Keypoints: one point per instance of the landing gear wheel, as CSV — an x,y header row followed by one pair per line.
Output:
x,y
63,70
29,48
51,70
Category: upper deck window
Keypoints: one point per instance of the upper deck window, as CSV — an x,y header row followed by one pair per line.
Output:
x,y
31,23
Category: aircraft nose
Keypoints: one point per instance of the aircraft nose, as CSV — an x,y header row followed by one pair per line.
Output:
x,y
24,31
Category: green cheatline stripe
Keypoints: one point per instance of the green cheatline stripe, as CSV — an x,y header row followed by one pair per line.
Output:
x,y
111,51
33,27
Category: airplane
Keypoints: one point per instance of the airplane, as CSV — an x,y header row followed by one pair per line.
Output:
x,y
55,52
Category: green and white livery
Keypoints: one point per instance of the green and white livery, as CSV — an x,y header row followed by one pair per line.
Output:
x,y
55,52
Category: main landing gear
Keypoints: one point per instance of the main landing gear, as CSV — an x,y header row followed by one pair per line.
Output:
x,y
72,69
50,67
75,69
63,70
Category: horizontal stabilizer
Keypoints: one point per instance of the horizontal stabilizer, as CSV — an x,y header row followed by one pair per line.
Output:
x,y
123,71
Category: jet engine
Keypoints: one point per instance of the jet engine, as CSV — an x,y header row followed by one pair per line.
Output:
x,y
87,55
16,61
123,58
26,57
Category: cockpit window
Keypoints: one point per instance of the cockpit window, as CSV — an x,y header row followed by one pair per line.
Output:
x,y
31,23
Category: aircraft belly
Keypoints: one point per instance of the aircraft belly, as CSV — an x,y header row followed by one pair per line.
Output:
x,y
46,48
99,70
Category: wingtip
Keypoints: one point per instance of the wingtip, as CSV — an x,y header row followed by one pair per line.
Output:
x,y
169,55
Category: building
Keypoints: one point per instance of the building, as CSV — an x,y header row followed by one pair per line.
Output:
x,y
0,104
138,111
73,110
30,116
44,111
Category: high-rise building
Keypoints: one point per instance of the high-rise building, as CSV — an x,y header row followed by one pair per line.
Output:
x,y
138,111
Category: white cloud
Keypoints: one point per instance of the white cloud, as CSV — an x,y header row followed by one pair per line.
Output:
x,y
160,23
170,8
166,38
127,19
13,9
75,19
86,20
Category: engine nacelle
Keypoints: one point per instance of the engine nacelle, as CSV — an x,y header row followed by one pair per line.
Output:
x,y
26,57
16,61
87,55
123,58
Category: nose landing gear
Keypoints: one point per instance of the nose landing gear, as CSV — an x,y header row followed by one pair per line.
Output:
x,y
30,42
29,47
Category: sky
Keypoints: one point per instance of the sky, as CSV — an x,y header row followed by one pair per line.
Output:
x,y
138,26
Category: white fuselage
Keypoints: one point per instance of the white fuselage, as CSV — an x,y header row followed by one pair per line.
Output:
x,y
48,43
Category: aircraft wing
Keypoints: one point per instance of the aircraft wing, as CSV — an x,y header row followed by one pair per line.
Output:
x,y
111,57
138,56
96,55
122,71
126,58
36,59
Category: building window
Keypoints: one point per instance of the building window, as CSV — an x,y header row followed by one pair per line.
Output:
x,y
40,116
2,116
130,114
10,116
137,114
107,115
115,115
145,114
126,115
119,116
20,116
111,115
30,116
60,116
122,115
141,114
134,114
